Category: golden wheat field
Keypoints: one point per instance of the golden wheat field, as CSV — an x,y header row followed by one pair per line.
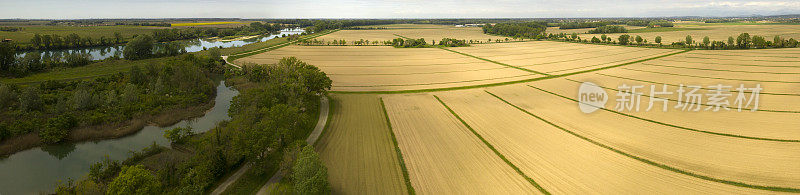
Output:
x,y
503,118
359,133
383,68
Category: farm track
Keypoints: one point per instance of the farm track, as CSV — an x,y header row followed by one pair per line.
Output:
x,y
502,64
650,162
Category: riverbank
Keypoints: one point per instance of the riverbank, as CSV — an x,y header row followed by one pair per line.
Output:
x,y
110,130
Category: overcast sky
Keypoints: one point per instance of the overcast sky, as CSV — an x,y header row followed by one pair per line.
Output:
x,y
73,9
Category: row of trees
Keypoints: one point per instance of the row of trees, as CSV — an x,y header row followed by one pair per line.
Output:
x,y
576,25
608,29
650,23
528,30
743,41
10,28
73,40
409,43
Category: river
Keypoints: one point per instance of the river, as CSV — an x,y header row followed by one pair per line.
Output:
x,y
39,169
194,45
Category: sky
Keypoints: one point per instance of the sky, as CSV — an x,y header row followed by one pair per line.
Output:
x,y
82,9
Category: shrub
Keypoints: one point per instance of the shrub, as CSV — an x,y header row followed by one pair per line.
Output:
x,y
178,135
7,95
57,128
30,99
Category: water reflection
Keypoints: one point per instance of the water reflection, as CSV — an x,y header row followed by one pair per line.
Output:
x,y
194,45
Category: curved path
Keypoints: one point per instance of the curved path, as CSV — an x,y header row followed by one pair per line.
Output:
x,y
312,138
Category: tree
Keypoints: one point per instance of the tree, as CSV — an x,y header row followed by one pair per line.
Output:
x,y
743,41
574,36
595,40
139,48
7,56
623,39
658,40
603,37
706,41
134,180
759,42
689,40
36,41
309,173
117,37
178,135
777,41
730,41
639,39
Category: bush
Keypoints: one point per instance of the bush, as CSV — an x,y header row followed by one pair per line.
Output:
x,y
309,173
30,99
134,180
178,135
140,47
57,129
7,96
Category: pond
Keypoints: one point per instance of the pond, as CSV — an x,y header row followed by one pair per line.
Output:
x,y
99,53
39,169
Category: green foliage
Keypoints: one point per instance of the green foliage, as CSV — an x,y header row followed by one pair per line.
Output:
x,y
7,96
7,56
30,99
309,174
409,43
140,47
608,29
57,128
528,30
179,134
596,40
689,40
743,41
658,39
639,39
134,180
449,42
104,171
623,39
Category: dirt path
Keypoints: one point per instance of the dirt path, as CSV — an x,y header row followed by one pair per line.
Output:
x,y
312,138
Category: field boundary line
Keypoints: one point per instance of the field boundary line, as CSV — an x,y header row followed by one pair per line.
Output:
x,y
504,83
581,67
403,167
708,69
777,66
496,62
734,59
761,110
653,163
646,81
704,77
436,83
421,73
274,47
708,54
675,126
589,58
530,180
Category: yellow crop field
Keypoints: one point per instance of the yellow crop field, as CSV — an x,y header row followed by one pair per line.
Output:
x,y
354,35
461,33
202,23
560,58
560,162
443,156
384,68
359,133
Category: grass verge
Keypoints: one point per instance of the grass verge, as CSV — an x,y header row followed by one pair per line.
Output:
x,y
407,179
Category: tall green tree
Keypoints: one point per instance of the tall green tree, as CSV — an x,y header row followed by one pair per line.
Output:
x,y
134,180
309,173
689,40
623,39
140,47
7,55
658,40
706,41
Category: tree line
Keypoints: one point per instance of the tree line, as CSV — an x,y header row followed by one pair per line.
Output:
x,y
528,30
742,41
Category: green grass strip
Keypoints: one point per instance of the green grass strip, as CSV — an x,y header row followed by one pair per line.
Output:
x,y
708,54
675,126
735,59
420,73
581,67
503,83
705,77
699,62
496,62
437,83
710,69
646,81
407,179
539,187
659,165
760,110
